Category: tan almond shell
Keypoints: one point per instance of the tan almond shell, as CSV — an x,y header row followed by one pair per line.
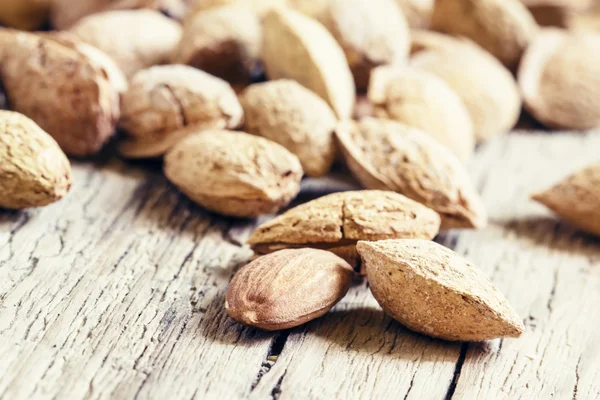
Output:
x,y
339,220
488,89
259,7
424,101
135,39
287,288
24,14
289,114
434,291
576,199
503,27
42,73
234,173
299,48
371,33
386,155
417,12
560,79
422,40
166,102
224,42
34,171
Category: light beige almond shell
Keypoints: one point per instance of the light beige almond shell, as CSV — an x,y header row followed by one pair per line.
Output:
x,y
386,155
299,48
24,14
576,199
289,114
424,101
234,173
503,27
34,171
259,7
560,79
422,40
224,42
42,73
372,33
487,89
165,103
135,39
287,288
339,220
433,291
417,12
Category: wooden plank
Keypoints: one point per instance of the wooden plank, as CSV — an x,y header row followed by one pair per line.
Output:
x,y
117,291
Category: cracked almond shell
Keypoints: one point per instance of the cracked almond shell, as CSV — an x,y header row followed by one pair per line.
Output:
x,y
434,291
485,86
65,92
287,288
386,155
371,33
300,48
560,79
424,101
289,114
34,171
135,39
576,199
166,103
503,27
224,42
337,221
234,173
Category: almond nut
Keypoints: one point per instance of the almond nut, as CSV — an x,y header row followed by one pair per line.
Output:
x,y
424,101
576,199
387,155
165,103
289,114
34,171
234,173
299,48
417,12
433,291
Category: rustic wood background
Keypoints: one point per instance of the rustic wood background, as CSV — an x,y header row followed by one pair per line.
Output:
x,y
117,292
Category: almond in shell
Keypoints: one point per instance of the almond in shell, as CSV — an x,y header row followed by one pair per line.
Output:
x,y
300,48
434,291
234,173
386,155
576,199
417,12
287,288
34,171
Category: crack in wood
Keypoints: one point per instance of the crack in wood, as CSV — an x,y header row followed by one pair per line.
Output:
x,y
276,392
549,305
457,369
410,386
576,387
275,349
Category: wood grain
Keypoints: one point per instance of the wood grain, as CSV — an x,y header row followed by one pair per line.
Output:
x,y
117,292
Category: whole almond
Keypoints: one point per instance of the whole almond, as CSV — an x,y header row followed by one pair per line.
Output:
x,y
234,173
43,74
34,171
24,14
337,221
289,114
503,27
166,103
576,199
387,155
224,42
417,12
432,290
560,79
287,288
422,100
487,89
135,39
299,48
422,40
372,33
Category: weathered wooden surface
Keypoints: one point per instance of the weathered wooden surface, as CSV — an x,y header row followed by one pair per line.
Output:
x,y
117,292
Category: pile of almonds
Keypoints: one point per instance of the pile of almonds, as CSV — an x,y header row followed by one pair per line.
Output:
x,y
243,98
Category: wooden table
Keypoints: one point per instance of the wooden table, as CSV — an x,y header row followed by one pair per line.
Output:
x,y
117,292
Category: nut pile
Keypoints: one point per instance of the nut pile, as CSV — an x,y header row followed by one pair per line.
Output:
x,y
243,98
